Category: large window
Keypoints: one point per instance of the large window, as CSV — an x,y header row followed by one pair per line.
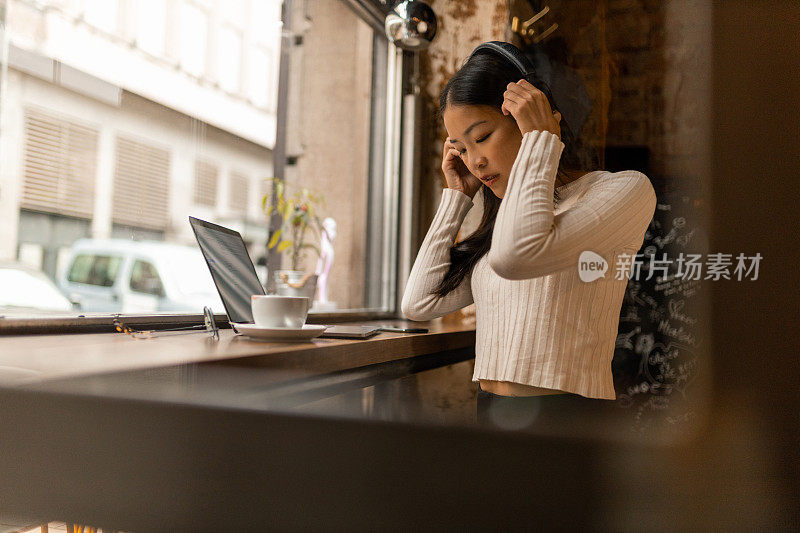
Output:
x,y
337,134
120,120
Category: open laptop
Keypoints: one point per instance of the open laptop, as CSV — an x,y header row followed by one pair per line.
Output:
x,y
235,276
231,268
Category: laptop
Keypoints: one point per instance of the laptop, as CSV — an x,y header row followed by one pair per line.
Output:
x,y
231,268
236,280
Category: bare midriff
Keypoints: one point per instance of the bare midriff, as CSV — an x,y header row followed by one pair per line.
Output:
x,y
506,388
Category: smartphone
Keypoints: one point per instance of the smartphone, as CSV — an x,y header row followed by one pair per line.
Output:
x,y
403,330
351,332
365,332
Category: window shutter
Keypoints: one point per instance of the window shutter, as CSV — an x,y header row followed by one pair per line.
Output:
x,y
141,185
205,183
238,192
60,163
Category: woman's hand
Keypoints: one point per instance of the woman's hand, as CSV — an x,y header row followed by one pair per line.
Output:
x,y
456,174
530,108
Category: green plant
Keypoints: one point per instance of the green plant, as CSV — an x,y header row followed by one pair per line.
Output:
x,y
298,212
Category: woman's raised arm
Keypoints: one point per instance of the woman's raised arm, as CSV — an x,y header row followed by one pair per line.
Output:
x,y
530,241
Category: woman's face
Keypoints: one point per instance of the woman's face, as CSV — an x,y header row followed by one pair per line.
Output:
x,y
487,140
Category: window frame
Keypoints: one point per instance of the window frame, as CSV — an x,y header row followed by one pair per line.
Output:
x,y
398,127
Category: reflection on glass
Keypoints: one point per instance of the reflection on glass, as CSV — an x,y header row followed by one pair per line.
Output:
x,y
120,121
104,162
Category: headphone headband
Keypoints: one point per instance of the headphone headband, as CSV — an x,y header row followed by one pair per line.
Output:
x,y
508,51
514,55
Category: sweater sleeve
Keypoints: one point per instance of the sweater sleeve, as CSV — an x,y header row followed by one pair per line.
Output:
x,y
529,241
433,260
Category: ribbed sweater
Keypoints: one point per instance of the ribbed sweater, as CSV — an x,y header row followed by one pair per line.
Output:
x,y
537,323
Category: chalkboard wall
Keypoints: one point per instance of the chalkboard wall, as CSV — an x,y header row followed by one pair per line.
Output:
x,y
660,334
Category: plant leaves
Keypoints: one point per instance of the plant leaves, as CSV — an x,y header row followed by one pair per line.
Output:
x,y
274,240
289,210
284,245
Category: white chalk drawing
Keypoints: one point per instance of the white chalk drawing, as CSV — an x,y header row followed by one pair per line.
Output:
x,y
659,339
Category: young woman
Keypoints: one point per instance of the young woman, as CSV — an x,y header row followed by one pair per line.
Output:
x,y
545,337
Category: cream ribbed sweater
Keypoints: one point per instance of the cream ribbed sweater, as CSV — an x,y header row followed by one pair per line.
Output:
x,y
537,323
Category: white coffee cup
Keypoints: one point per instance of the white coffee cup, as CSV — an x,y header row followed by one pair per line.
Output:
x,y
274,311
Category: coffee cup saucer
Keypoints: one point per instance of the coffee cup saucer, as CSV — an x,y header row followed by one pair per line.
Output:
x,y
271,333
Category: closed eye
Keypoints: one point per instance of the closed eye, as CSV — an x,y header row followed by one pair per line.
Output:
x,y
464,151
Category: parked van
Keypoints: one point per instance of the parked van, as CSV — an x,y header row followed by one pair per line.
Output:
x,y
124,276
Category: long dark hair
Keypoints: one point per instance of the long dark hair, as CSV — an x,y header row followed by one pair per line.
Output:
x,y
482,81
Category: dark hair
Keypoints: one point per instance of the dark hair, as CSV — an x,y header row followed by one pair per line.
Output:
x,y
482,81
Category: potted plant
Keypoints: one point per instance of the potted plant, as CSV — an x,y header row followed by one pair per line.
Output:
x,y
298,213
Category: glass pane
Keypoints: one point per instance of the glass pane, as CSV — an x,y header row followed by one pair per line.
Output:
x,y
151,26
262,76
161,110
230,57
100,270
144,278
339,150
193,36
79,269
102,14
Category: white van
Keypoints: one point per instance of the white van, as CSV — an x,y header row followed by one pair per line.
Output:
x,y
124,276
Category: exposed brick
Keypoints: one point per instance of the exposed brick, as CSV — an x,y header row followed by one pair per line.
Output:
x,y
629,30
629,86
636,62
627,132
622,6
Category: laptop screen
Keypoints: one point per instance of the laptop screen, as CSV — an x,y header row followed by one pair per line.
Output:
x,y
230,266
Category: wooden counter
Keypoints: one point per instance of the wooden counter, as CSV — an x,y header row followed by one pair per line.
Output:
x,y
187,433
109,430
32,358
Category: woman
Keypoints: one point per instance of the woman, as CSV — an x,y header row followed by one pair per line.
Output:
x,y
544,337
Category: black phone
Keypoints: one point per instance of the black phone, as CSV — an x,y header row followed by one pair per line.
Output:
x,y
351,332
403,330
365,332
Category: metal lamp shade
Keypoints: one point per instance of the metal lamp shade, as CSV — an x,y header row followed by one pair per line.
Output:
x,y
412,25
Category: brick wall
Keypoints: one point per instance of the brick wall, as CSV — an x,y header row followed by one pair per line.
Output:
x,y
644,63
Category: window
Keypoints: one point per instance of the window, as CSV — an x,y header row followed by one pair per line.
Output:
x,y
122,119
144,279
59,164
264,44
229,59
205,183
102,14
261,77
141,185
341,132
193,38
235,11
99,270
151,25
238,193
